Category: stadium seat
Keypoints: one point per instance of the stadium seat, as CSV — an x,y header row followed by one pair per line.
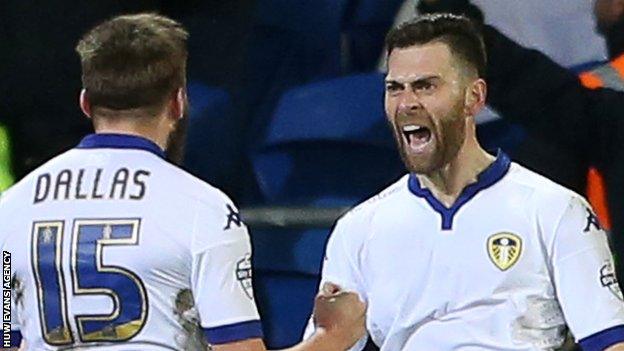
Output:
x,y
292,43
501,134
286,273
328,142
285,302
365,32
209,131
310,30
327,145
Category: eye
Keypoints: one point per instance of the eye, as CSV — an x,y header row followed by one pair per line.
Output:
x,y
393,87
423,86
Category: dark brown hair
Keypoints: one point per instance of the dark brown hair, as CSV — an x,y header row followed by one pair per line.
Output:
x,y
133,61
461,35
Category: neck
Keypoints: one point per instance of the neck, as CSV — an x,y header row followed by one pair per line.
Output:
x,y
615,39
146,129
447,183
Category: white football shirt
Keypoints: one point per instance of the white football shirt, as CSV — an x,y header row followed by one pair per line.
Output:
x,y
507,267
112,246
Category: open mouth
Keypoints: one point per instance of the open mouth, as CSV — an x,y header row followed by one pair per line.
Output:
x,y
417,136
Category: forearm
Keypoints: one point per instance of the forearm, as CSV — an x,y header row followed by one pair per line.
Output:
x,y
319,341
616,347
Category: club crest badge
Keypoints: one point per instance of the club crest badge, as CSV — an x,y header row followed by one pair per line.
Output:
x,y
504,249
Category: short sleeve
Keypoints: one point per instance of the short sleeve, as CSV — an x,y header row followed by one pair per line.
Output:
x,y
221,282
585,280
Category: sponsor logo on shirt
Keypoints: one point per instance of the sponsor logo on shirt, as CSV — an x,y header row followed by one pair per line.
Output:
x,y
243,275
504,249
609,280
233,218
591,222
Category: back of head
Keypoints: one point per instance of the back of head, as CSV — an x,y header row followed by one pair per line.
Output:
x,y
462,36
133,62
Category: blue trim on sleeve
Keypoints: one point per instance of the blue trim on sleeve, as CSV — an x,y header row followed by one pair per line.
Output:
x,y
233,332
16,338
488,177
603,339
119,141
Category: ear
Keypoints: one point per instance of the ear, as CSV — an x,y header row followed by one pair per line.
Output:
x,y
178,104
475,97
85,104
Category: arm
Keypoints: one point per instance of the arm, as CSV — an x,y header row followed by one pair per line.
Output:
x,y
221,282
582,270
341,267
617,347
339,317
529,88
221,276
319,342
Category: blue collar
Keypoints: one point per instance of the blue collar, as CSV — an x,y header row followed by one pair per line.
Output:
x,y
119,141
488,177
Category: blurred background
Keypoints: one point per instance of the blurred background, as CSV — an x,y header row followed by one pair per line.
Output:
x,y
287,109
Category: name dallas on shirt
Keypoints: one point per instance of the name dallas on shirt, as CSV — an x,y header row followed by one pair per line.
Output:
x,y
68,185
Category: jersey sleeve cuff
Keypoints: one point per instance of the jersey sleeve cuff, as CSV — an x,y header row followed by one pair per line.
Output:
x,y
603,339
233,332
15,341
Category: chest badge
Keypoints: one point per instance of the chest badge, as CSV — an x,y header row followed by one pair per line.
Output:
x,y
504,249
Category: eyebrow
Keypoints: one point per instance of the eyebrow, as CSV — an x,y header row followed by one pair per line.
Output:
x,y
417,80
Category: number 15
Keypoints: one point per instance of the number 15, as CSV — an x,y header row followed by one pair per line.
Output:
x,y
90,276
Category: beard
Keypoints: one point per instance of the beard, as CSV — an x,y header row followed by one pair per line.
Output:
x,y
177,138
447,136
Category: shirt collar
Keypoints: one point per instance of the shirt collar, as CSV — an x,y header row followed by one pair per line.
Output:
x,y
488,177
120,141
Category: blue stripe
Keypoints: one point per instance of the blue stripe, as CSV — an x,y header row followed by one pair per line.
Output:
x,y
603,339
492,174
16,338
119,141
233,332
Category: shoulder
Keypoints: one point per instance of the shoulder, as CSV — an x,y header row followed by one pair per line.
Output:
x,y
215,218
355,221
540,186
547,200
194,189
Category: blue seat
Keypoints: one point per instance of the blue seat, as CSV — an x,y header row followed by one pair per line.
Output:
x,y
501,134
328,142
309,28
210,129
291,43
366,30
285,302
327,145
286,265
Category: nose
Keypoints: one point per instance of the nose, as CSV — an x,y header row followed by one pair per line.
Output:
x,y
409,102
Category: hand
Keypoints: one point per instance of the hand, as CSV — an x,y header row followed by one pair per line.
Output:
x,y
341,314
